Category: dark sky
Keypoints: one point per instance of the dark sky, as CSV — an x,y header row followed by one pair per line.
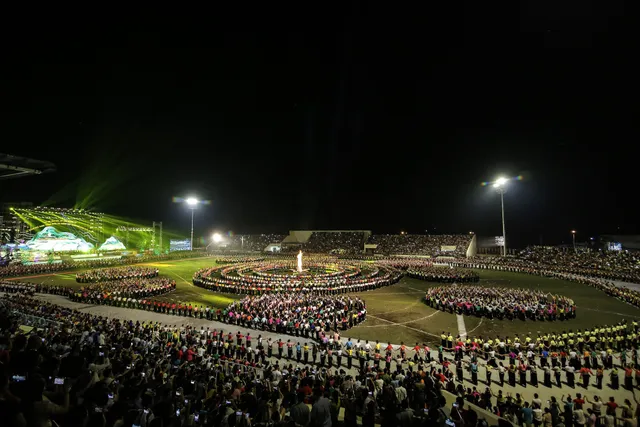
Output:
x,y
362,120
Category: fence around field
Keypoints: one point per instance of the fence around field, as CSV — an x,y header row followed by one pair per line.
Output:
x,y
35,321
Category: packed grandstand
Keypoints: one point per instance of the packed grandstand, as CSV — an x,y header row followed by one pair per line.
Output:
x,y
353,242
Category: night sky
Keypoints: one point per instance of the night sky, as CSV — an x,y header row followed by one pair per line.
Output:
x,y
358,122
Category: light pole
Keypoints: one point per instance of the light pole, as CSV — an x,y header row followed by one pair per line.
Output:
x,y
573,234
192,202
500,186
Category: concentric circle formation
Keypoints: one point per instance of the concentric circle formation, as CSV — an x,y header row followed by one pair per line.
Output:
x,y
501,303
324,275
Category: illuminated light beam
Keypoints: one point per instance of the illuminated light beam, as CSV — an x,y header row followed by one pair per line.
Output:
x,y
491,183
176,199
62,223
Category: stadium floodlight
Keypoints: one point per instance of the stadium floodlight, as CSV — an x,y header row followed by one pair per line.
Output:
x,y
216,237
500,185
500,182
193,203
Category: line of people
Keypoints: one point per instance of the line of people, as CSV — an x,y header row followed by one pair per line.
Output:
x,y
119,273
433,273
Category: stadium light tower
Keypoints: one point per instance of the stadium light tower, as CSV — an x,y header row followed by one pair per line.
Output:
x,y
573,234
192,203
500,185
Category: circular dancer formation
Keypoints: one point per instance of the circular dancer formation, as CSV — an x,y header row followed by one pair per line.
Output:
x,y
322,277
113,292
120,273
232,259
501,303
301,314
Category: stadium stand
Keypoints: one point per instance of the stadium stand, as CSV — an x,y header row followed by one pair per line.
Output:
x,y
335,242
611,265
453,245
252,242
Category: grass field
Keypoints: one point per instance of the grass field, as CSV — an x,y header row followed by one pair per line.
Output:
x,y
397,313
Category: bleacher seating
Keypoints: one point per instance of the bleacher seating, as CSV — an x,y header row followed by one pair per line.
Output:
x,y
336,242
417,244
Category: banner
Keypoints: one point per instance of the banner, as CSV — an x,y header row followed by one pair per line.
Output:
x,y
447,248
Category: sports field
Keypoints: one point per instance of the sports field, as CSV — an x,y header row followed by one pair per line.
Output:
x,y
397,313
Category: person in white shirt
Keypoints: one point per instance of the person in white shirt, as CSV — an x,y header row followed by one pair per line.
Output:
x,y
579,416
537,415
536,400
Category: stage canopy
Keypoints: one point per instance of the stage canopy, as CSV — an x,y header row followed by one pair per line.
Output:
x,y
17,167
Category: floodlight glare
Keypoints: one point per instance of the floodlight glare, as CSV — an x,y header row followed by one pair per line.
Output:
x,y
192,201
500,182
217,237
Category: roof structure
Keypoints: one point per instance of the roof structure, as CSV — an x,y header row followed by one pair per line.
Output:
x,y
17,167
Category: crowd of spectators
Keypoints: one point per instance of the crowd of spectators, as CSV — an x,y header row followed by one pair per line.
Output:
x,y
434,245
251,242
502,303
120,273
611,265
335,242
85,370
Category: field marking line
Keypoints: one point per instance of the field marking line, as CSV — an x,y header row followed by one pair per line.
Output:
x,y
462,329
415,290
182,278
400,309
404,326
610,312
477,326
398,323
31,277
